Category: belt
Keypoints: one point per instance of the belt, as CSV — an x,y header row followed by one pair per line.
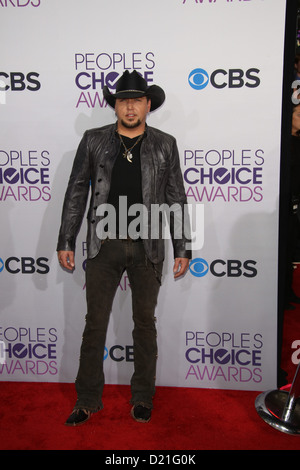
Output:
x,y
128,239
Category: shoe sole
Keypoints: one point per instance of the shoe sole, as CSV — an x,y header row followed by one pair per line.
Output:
x,y
73,425
78,424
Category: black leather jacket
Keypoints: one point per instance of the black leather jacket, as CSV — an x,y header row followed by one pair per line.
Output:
x,y
162,182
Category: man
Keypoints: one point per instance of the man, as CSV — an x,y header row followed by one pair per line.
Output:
x,y
131,160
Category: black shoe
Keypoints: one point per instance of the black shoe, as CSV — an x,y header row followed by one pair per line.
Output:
x,y
141,413
78,417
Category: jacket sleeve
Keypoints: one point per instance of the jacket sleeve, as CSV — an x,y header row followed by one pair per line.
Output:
x,y
176,200
75,198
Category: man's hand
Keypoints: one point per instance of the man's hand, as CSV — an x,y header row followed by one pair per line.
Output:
x,y
180,266
66,259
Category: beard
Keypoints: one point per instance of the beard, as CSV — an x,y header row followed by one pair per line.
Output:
x,y
131,125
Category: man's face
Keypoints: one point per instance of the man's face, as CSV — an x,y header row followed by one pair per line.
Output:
x,y
132,112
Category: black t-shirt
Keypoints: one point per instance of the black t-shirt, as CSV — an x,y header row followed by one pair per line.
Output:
x,y
126,179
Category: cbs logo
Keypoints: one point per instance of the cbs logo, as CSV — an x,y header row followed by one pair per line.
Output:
x,y
18,81
199,267
220,78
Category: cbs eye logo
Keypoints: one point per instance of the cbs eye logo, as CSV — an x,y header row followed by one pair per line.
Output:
x,y
198,79
199,267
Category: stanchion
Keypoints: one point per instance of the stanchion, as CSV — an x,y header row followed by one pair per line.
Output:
x,y
280,408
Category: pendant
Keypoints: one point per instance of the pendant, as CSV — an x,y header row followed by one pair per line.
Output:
x,y
128,155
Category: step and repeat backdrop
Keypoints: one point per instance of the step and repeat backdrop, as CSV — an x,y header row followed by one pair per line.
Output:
x,y
220,63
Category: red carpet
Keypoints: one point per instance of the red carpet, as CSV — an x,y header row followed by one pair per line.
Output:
x,y
32,415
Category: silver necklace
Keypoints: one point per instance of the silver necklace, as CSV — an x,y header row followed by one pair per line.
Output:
x,y
127,154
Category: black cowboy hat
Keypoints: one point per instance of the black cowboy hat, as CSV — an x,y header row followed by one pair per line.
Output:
x,y
133,85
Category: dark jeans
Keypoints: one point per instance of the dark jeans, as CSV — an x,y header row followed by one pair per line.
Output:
x,y
103,275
